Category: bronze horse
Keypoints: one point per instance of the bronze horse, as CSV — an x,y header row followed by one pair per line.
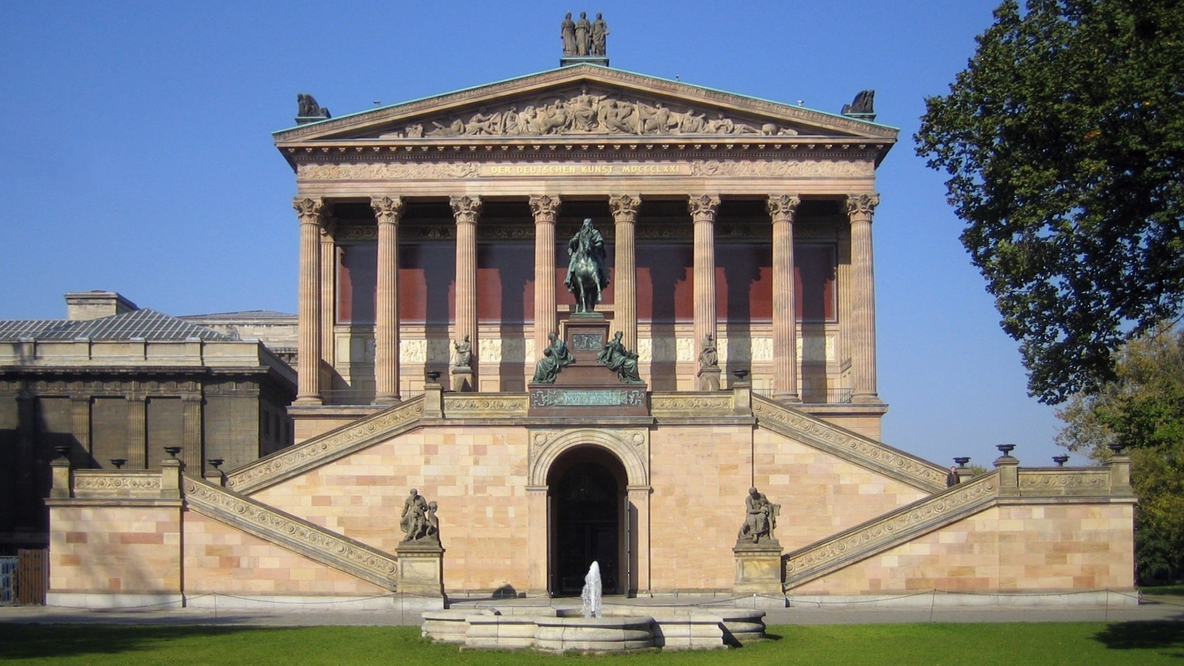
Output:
x,y
585,283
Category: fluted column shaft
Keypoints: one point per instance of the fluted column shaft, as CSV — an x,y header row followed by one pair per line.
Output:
x,y
328,297
387,211
193,451
137,432
703,208
863,298
546,211
308,368
466,210
624,208
782,209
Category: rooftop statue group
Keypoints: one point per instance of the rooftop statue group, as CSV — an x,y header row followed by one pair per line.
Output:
x,y
419,522
583,38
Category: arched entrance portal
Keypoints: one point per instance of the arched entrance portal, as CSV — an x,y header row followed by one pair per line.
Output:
x,y
587,497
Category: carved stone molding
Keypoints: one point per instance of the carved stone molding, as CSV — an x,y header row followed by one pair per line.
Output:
x,y
783,207
289,462
463,405
629,445
387,209
862,451
545,208
308,209
131,483
1058,482
861,206
821,168
624,207
703,207
292,533
682,404
466,209
388,171
889,530
580,112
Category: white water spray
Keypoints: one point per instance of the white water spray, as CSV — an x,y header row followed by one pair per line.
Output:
x,y
591,594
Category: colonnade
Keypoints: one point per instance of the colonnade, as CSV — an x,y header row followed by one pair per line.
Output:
x,y
316,316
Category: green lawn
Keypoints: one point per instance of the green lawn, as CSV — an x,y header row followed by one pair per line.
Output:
x,y
1076,644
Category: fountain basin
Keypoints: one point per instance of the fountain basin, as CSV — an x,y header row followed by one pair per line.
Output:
x,y
624,628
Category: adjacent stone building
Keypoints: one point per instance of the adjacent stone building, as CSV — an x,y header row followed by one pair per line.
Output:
x,y
113,385
434,240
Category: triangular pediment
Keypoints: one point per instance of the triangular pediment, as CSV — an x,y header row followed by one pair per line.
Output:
x,y
585,102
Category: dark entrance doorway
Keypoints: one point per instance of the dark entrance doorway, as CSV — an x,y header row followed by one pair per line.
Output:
x,y
587,487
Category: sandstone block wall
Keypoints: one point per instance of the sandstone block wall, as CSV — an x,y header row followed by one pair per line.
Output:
x,y
1012,548
819,494
478,477
115,549
222,559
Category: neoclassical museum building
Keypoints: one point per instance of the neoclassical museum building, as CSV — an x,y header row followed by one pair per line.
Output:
x,y
738,303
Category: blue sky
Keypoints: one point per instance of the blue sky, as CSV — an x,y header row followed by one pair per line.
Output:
x,y
138,158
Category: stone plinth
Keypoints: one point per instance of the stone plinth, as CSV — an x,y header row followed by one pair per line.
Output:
x,y
758,569
462,379
585,336
708,379
587,388
421,571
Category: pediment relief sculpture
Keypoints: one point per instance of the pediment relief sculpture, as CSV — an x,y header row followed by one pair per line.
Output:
x,y
580,112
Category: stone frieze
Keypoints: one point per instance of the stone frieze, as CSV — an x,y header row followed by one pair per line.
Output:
x,y
472,406
131,483
580,111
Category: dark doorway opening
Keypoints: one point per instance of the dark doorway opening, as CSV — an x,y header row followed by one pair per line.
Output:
x,y
587,492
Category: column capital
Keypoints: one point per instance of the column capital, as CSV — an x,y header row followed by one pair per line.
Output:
x,y
624,207
466,209
862,205
309,209
544,207
387,209
703,206
783,207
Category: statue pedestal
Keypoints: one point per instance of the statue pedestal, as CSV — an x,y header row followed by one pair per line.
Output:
x,y
462,378
587,388
421,573
708,379
758,572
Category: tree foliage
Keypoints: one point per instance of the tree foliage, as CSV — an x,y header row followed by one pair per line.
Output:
x,y
1142,409
1064,142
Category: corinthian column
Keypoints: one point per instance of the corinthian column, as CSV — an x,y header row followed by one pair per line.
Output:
x,y
782,209
386,322
703,208
545,210
624,208
863,297
308,368
467,209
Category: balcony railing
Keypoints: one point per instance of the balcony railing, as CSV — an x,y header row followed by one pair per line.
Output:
x,y
831,396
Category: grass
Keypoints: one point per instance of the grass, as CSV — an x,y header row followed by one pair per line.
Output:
x,y
1051,644
1163,590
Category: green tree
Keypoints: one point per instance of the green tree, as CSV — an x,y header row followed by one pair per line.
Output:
x,y
1142,409
1064,143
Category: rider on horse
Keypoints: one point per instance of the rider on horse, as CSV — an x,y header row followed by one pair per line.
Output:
x,y
586,244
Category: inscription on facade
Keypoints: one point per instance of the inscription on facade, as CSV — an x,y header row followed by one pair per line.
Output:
x,y
587,397
586,170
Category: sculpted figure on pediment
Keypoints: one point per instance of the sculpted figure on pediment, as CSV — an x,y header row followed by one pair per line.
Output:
x,y
583,34
567,32
585,112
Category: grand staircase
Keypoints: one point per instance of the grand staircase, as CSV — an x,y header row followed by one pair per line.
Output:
x,y
287,531
889,530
